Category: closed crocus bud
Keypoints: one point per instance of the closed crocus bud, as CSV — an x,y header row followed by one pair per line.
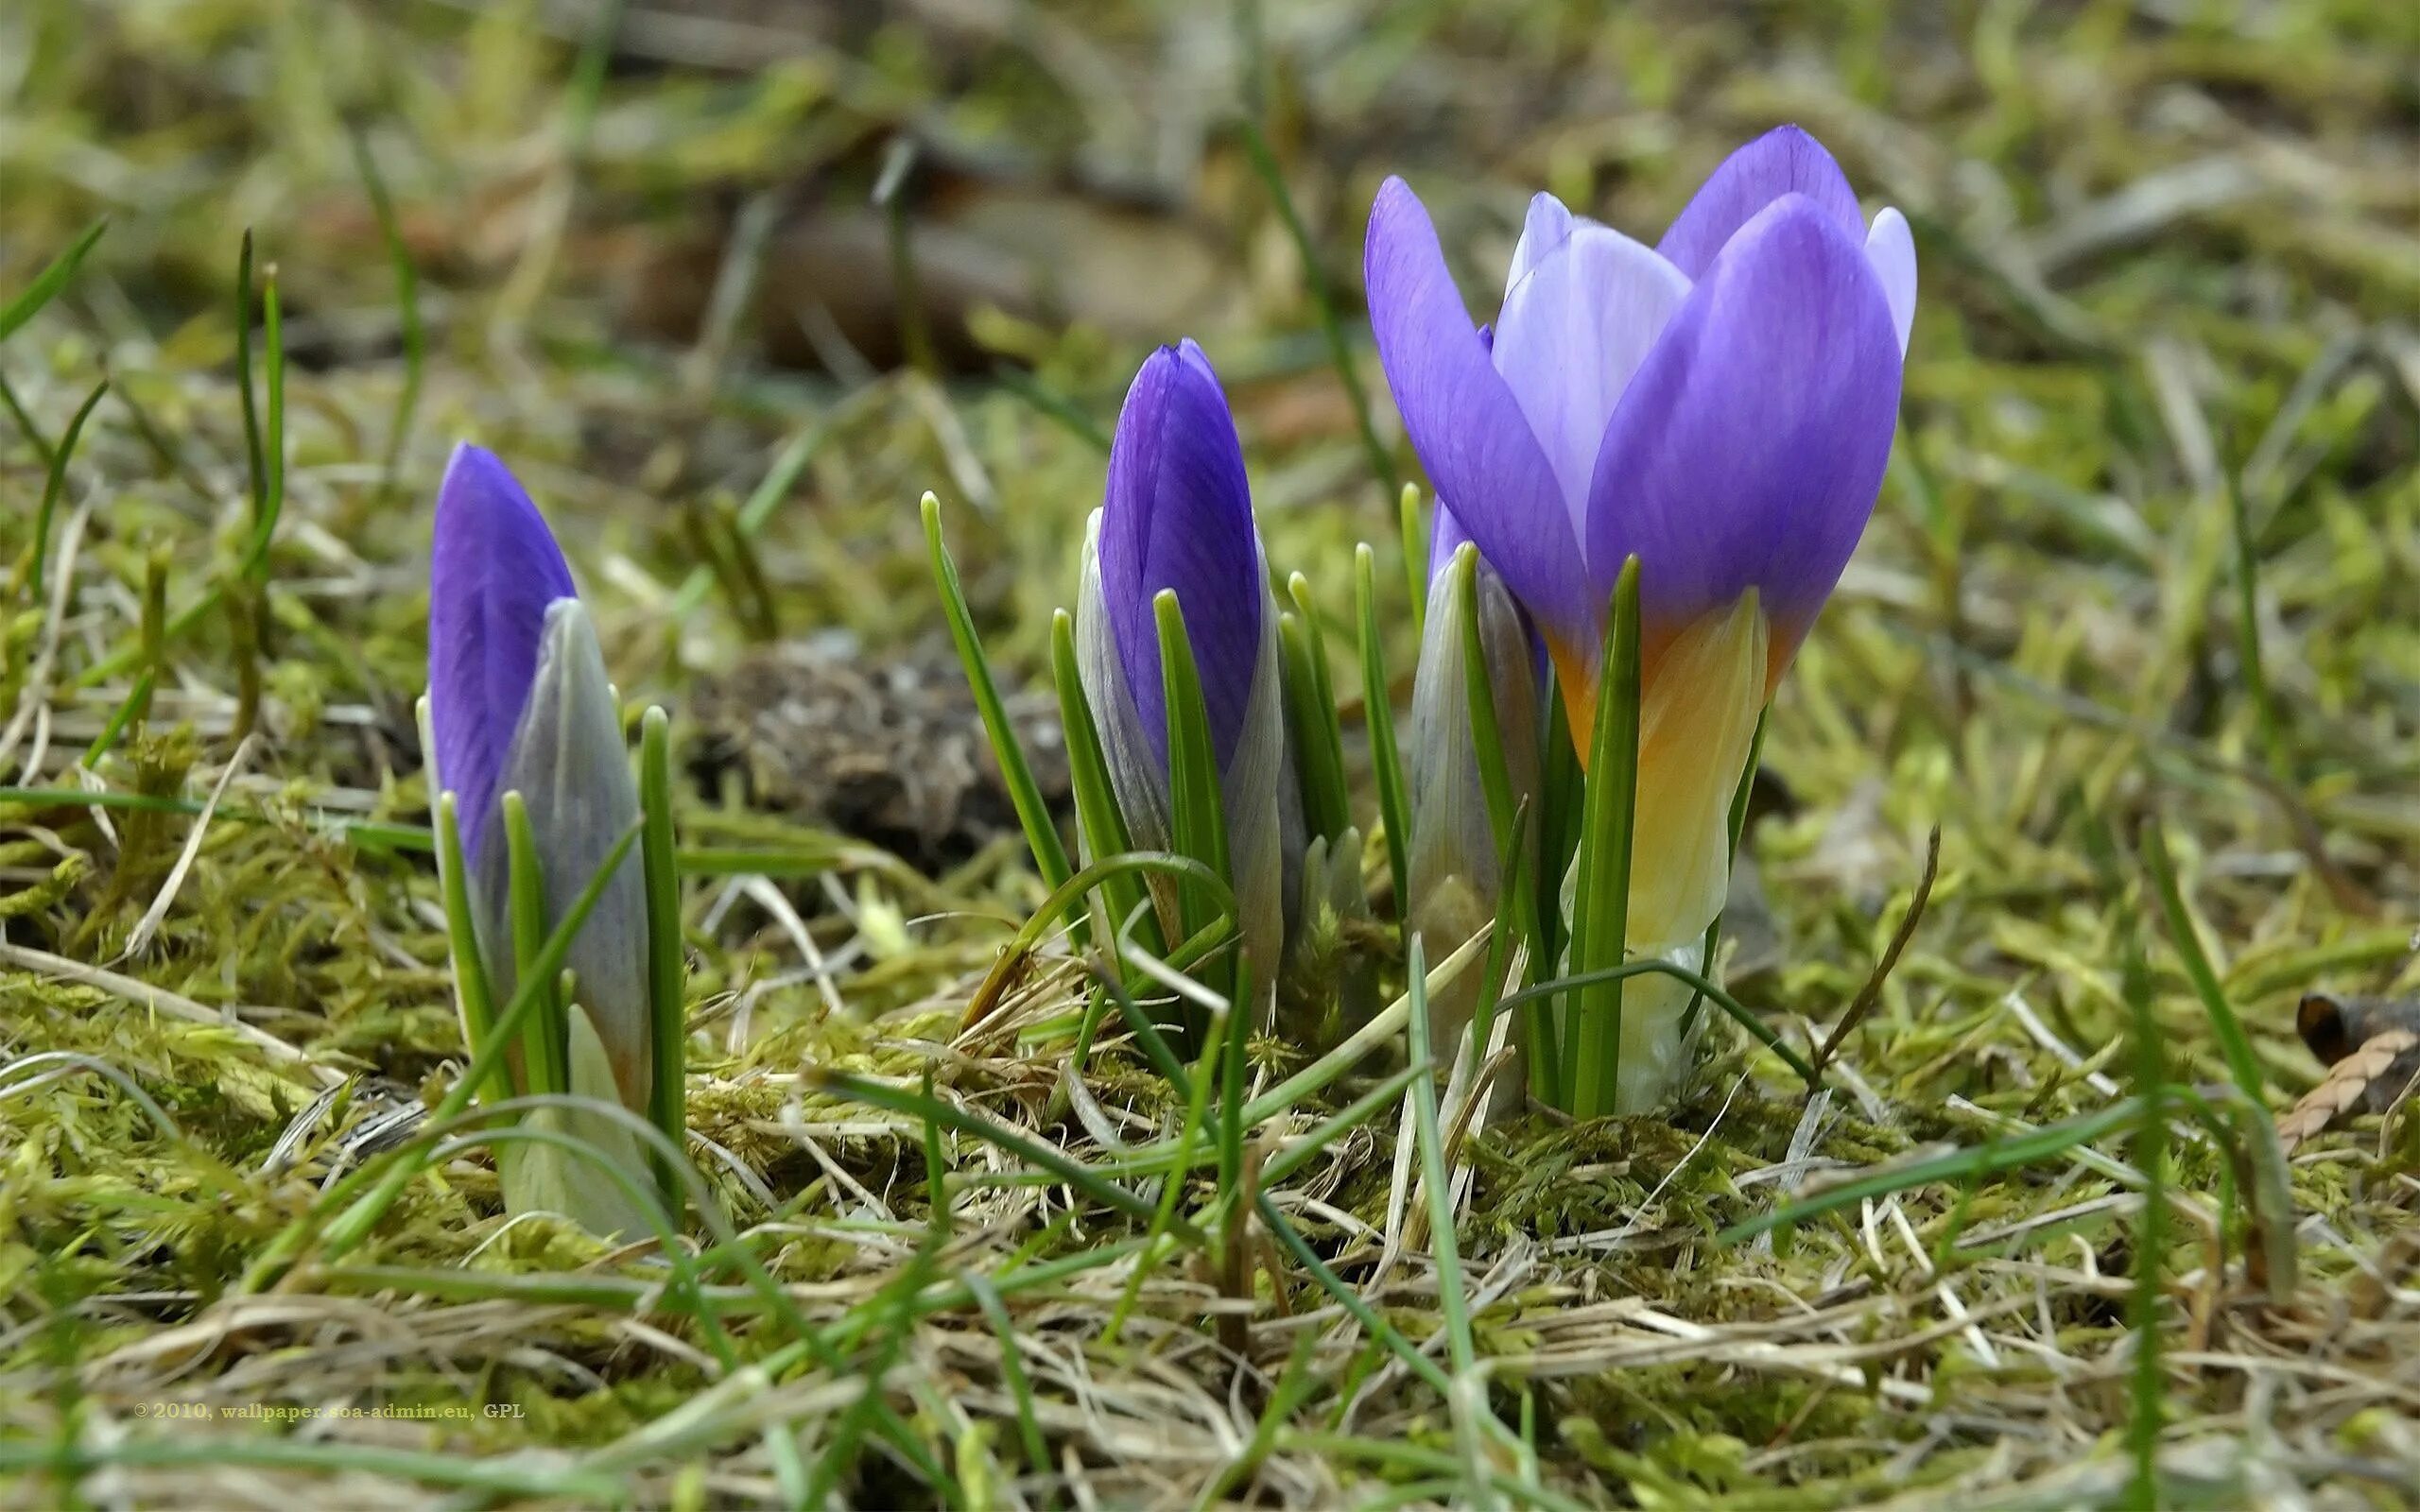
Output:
x,y
1177,517
519,703
1455,870
1720,407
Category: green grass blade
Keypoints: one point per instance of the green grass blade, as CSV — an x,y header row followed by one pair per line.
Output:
x,y
54,484
415,338
1034,815
545,1049
270,494
2243,1066
2148,1385
1319,746
48,283
1697,982
1600,910
667,1006
1435,1179
1041,1157
1197,817
1411,524
1964,1165
354,1223
1378,713
1099,820
1322,300
471,985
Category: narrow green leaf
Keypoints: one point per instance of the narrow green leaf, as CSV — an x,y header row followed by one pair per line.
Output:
x,y
668,1007
415,338
2149,1386
48,283
956,1119
1320,776
1040,835
255,469
354,1223
1324,300
1955,1166
1099,820
1412,522
1600,910
269,500
1739,796
546,1049
55,483
471,985
2243,1066
1436,1181
1377,709
1197,817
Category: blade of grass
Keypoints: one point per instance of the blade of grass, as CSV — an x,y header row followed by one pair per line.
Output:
x,y
1100,823
667,1009
1744,1016
1411,524
545,1044
2146,1385
1377,709
1324,300
1040,835
415,338
54,482
471,986
48,283
1322,745
1965,1165
1197,817
1066,1169
1600,910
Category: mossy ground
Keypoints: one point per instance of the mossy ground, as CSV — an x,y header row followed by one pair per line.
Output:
x,y
2170,260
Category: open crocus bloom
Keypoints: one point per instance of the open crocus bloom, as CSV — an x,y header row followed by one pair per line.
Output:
x,y
1177,517
1719,406
519,702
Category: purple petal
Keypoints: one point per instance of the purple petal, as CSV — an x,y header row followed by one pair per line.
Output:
x,y
1572,332
1891,249
1749,448
1464,423
1178,515
1783,160
495,568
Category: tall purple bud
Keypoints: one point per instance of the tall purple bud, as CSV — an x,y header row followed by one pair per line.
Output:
x,y
1177,516
519,702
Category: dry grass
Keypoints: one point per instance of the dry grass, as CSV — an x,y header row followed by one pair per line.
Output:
x,y
2169,262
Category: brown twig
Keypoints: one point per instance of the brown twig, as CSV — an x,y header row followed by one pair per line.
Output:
x,y
1872,993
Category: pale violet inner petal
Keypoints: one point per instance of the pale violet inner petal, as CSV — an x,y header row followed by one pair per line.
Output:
x,y
1572,333
1893,251
1546,227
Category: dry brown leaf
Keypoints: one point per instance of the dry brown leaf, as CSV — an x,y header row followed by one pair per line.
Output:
x,y
2347,1086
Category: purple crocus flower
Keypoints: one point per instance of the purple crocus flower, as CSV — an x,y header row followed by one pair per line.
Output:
x,y
519,702
1719,406
1177,517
